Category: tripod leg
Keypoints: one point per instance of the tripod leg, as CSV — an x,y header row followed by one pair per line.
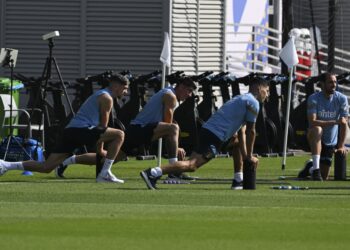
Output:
x,y
46,73
64,89
7,147
63,86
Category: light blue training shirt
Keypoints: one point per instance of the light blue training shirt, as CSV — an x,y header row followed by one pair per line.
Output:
x,y
328,109
153,111
88,116
232,116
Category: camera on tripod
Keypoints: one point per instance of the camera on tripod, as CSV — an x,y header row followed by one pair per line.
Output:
x,y
51,35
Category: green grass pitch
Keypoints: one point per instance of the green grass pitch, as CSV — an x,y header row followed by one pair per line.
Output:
x,y
41,212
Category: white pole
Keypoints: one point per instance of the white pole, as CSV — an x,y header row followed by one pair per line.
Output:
x,y
160,141
277,14
287,120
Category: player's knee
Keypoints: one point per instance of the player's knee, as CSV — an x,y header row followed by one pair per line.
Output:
x,y
174,128
317,130
121,135
314,133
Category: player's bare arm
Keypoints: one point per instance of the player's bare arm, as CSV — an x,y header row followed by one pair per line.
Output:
x,y
343,123
313,121
250,139
169,101
105,106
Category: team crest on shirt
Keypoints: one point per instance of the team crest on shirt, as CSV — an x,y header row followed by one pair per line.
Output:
x,y
251,109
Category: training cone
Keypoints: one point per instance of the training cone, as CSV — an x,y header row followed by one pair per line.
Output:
x,y
27,173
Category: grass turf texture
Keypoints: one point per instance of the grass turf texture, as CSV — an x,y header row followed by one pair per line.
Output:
x,y
41,212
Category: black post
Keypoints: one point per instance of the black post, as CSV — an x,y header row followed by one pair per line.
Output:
x,y
339,167
249,175
331,35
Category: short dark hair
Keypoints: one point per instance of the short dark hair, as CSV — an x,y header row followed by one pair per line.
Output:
x,y
188,82
114,77
259,81
324,76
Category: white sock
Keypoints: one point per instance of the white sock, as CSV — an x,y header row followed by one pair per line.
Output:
x,y
172,160
13,165
239,176
315,162
156,172
69,161
107,166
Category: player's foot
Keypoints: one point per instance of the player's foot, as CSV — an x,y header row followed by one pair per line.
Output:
x,y
109,177
305,172
149,179
316,175
3,169
59,171
237,185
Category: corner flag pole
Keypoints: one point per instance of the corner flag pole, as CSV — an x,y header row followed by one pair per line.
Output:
x,y
165,58
285,140
290,57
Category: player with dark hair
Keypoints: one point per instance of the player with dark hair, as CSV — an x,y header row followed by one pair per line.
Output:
x,y
156,118
221,126
153,122
327,112
88,127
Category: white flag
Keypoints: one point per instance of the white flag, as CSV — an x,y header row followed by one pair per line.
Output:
x,y
166,52
289,54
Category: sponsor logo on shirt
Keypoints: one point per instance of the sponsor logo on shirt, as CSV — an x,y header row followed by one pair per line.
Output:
x,y
327,114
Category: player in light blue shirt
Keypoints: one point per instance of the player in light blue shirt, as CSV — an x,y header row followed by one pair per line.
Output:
x,y
156,119
241,111
327,112
153,122
89,127
232,115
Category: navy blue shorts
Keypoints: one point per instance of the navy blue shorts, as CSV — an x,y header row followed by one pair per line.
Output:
x,y
73,138
209,144
136,135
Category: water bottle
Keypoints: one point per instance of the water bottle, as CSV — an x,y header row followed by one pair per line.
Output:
x,y
283,187
288,187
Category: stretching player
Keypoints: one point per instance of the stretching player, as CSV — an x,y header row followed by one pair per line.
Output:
x,y
221,126
88,127
153,122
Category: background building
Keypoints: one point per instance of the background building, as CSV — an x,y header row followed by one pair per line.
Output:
x,y
128,34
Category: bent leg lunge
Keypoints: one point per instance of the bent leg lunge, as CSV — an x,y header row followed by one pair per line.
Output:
x,y
114,139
